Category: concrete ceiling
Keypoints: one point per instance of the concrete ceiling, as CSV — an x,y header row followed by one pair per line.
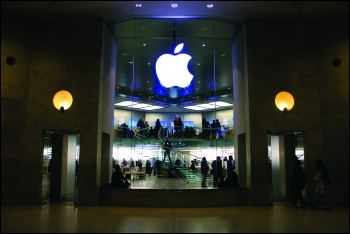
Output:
x,y
195,24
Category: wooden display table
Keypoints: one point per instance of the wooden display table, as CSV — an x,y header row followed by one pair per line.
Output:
x,y
135,174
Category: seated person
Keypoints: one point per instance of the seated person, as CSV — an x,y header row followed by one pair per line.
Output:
x,y
178,162
118,179
193,165
231,180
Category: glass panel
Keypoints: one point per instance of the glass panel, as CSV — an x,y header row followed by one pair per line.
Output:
x,y
45,179
208,42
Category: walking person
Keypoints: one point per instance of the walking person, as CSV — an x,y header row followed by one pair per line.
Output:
x,y
298,183
167,149
322,186
204,171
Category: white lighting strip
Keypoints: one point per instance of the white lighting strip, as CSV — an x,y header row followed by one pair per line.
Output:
x,y
220,104
137,105
152,107
194,108
126,103
210,105
141,105
206,106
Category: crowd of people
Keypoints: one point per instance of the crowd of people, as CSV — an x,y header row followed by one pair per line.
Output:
x,y
175,129
223,175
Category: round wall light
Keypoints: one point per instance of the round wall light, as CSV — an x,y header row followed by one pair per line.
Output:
x,y
284,101
62,100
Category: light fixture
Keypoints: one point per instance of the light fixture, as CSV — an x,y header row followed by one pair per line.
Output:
x,y
62,100
284,101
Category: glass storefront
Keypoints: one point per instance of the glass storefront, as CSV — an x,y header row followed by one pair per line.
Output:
x,y
194,98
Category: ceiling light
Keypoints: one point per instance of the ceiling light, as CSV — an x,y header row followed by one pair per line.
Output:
x,y
210,5
141,105
125,103
138,5
206,106
194,108
220,104
151,107
173,5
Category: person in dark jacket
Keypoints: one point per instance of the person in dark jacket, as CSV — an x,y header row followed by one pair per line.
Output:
x,y
217,171
204,171
118,179
298,183
231,180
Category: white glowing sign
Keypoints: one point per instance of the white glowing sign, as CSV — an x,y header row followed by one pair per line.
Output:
x,y
172,70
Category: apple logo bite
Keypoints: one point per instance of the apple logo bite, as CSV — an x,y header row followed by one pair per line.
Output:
x,y
172,70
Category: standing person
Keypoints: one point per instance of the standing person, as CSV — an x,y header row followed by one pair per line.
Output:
x,y
153,164
157,128
118,179
204,128
167,148
158,166
213,129
132,164
140,125
323,183
180,127
217,171
176,126
230,164
146,130
148,168
207,131
298,183
224,166
204,171
139,164
218,129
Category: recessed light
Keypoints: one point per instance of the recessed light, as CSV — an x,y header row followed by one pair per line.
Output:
x,y
210,5
173,5
144,44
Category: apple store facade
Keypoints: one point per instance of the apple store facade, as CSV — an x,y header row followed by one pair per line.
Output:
x,y
210,83
169,69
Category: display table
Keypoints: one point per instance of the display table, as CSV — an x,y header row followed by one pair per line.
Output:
x,y
135,174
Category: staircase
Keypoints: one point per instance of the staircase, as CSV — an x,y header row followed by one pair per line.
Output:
x,y
190,176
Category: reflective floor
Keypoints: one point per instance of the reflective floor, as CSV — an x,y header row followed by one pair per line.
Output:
x,y
65,217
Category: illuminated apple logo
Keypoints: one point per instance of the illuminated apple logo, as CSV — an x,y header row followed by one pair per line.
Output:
x,y
172,70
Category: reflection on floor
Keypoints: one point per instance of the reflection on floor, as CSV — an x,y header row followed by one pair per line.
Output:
x,y
279,218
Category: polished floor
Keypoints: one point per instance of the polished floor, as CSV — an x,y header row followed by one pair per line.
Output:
x,y
67,218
